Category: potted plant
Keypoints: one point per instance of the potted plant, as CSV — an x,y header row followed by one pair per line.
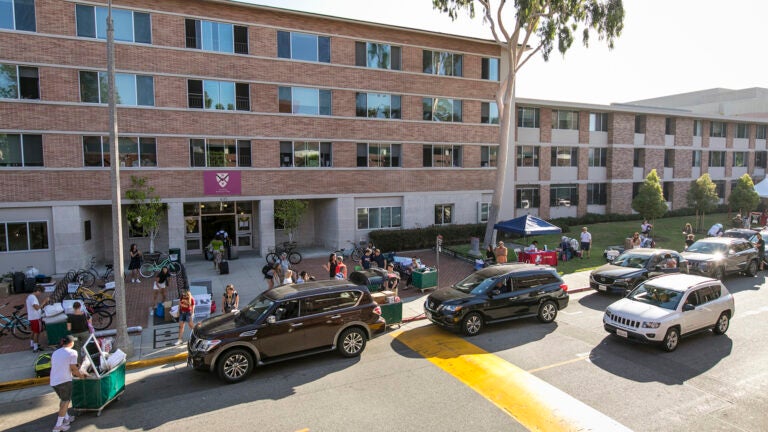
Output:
x,y
145,211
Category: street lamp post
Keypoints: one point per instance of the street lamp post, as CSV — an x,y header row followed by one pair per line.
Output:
x,y
123,341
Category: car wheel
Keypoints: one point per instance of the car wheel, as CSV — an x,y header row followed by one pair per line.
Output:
x,y
547,312
235,365
671,340
351,342
721,326
751,268
472,324
718,273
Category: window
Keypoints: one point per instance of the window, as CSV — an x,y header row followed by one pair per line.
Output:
x,y
17,15
598,122
482,211
96,151
639,124
740,159
302,154
527,117
719,187
442,156
565,156
130,26
716,158
441,109
669,126
23,236
214,36
378,105
742,130
489,156
718,129
697,128
87,230
636,188
378,155
598,156
563,195
21,150
760,158
303,46
377,55
489,113
130,89
597,193
565,120
442,63
219,153
490,69
527,197
760,131
667,190
137,152
379,217
306,101
218,95
443,214
19,82
669,158
696,158
527,156
638,159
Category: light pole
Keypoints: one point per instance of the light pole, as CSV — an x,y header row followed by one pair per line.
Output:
x,y
123,341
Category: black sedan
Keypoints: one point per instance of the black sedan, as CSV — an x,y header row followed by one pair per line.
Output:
x,y
634,266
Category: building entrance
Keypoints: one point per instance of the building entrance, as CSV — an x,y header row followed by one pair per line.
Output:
x,y
204,219
213,224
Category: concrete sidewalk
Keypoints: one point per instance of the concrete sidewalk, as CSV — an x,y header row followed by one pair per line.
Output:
x,y
245,274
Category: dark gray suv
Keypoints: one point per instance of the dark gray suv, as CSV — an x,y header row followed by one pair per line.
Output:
x,y
717,257
284,323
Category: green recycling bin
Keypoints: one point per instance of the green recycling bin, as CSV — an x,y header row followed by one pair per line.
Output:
x,y
425,278
55,332
392,313
174,254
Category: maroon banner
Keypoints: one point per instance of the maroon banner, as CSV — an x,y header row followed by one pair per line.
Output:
x,y
221,183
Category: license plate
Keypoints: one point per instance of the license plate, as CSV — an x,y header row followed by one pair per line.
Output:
x,y
602,288
622,333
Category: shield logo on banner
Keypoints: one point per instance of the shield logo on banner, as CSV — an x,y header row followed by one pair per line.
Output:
x,y
222,179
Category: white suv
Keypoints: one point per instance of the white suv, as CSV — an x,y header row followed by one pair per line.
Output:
x,y
666,308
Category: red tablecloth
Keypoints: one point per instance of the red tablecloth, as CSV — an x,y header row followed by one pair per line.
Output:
x,y
548,257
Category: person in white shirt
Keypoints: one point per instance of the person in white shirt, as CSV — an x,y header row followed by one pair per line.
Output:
x,y
586,242
63,368
35,317
534,247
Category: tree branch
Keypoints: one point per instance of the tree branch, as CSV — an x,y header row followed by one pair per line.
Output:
x,y
537,49
502,27
487,7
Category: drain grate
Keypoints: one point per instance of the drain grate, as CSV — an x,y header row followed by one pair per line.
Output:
x,y
165,336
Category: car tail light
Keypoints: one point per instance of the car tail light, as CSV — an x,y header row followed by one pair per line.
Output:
x,y
377,310
564,287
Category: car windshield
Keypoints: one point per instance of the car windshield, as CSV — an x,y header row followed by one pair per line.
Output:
x,y
657,296
254,310
708,248
474,283
631,260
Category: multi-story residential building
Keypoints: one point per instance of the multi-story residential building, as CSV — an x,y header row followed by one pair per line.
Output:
x,y
226,107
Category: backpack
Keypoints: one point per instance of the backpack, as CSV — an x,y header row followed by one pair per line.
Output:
x,y
43,365
266,269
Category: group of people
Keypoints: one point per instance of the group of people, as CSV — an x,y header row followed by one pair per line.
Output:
x,y
281,273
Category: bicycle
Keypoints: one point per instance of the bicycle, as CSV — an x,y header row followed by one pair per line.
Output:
x,y
88,276
101,315
356,252
294,257
149,270
17,324
106,296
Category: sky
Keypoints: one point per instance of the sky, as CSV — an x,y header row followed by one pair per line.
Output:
x,y
667,47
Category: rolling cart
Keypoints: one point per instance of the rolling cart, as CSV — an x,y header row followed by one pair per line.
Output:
x,y
94,394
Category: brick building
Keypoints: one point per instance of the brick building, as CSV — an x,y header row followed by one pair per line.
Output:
x,y
226,107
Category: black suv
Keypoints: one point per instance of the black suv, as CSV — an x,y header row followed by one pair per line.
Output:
x,y
632,267
717,256
284,323
498,293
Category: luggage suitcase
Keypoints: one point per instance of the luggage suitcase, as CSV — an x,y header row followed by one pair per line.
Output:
x,y
18,282
224,267
43,365
29,284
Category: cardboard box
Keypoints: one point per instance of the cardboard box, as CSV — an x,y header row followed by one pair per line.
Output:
x,y
379,297
167,311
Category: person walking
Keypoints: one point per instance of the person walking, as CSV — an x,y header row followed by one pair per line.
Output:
x,y
161,283
501,252
230,300
135,264
35,317
760,245
79,325
63,368
330,266
586,242
186,313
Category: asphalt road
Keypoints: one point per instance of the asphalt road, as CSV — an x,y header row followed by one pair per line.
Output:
x,y
711,383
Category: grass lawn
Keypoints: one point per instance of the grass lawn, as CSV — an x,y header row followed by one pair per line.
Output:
x,y
667,233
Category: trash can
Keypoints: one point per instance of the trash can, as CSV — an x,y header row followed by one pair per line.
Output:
x,y
174,254
425,277
373,278
56,331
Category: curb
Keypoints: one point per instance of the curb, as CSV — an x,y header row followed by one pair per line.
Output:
x,y
136,364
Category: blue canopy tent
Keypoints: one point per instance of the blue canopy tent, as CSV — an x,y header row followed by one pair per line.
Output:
x,y
527,226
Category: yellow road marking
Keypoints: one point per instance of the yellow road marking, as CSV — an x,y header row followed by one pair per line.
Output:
x,y
534,403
